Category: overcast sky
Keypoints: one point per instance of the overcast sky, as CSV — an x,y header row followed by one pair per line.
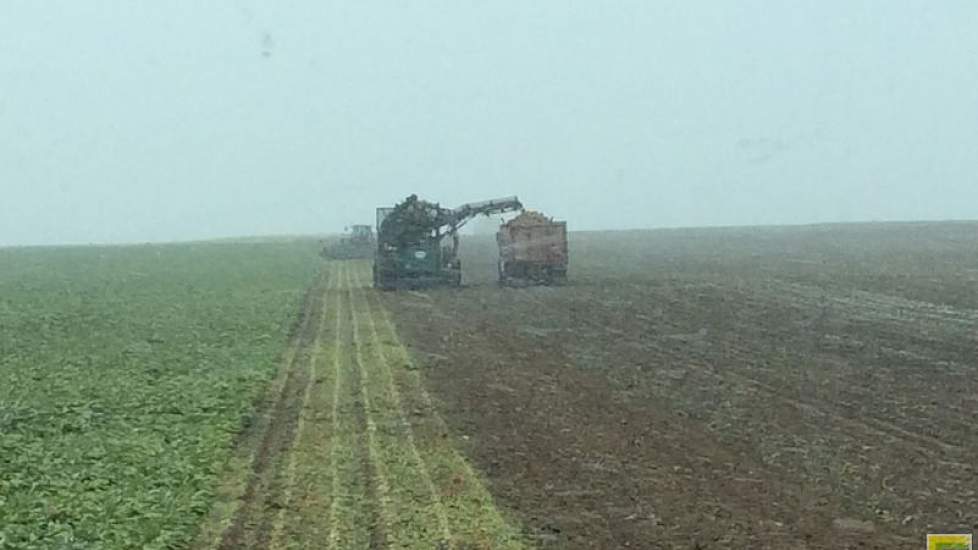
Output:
x,y
147,120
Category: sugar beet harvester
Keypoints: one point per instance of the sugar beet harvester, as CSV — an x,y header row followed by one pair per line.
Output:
x,y
411,248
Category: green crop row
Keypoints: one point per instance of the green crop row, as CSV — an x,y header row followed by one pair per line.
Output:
x,y
125,375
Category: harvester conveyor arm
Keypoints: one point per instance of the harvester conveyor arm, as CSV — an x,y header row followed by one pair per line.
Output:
x,y
462,214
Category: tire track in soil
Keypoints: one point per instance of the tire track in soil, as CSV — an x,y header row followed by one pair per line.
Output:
x,y
438,499
403,434
248,444
292,527
337,462
352,519
371,465
251,523
471,513
333,514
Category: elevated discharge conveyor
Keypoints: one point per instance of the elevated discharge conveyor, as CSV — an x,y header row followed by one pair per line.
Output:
x,y
466,212
462,214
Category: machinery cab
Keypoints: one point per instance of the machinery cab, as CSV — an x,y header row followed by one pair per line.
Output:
x,y
361,233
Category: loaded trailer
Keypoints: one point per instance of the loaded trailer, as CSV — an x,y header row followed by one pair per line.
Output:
x,y
532,251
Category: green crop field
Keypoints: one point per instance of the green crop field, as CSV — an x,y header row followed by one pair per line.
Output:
x,y
125,373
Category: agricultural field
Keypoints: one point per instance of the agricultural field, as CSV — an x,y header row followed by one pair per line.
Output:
x,y
126,374
807,387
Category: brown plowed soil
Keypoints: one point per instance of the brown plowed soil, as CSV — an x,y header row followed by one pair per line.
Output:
x,y
774,388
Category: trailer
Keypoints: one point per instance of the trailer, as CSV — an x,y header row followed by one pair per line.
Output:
x,y
532,251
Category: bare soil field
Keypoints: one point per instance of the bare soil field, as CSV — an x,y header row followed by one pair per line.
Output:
x,y
807,387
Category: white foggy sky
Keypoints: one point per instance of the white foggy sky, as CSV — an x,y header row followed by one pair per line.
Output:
x,y
137,120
